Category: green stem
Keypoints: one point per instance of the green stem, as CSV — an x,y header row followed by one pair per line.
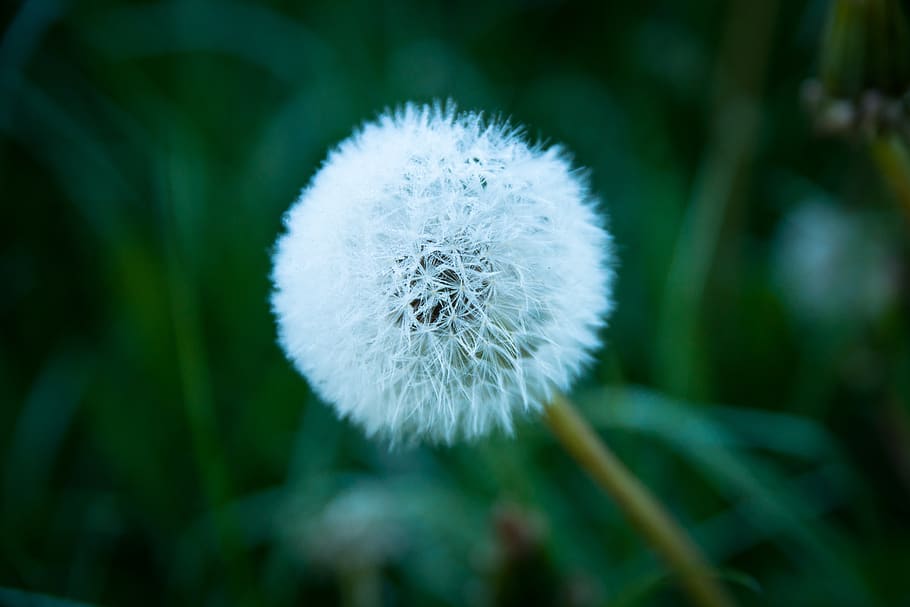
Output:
x,y
717,192
196,388
893,159
667,538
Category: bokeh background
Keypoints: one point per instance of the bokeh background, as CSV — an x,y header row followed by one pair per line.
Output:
x,y
157,449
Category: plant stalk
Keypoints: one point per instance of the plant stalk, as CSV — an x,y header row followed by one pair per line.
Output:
x,y
667,538
893,159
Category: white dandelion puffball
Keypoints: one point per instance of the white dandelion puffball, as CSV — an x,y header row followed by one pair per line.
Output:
x,y
439,275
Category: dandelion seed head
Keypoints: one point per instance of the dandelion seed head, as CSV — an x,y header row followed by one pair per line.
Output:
x,y
439,275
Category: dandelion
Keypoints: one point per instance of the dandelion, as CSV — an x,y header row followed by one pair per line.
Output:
x,y
440,274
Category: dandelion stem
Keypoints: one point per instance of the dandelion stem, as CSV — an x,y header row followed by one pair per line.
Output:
x,y
667,538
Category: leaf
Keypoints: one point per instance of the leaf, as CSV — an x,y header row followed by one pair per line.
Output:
x,y
763,497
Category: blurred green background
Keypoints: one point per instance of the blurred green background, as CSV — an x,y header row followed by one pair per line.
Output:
x,y
157,448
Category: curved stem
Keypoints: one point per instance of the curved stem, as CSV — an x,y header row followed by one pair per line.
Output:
x,y
667,538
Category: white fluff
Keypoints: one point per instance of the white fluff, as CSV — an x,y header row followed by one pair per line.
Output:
x,y
439,275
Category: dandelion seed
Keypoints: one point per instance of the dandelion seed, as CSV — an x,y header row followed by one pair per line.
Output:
x,y
439,275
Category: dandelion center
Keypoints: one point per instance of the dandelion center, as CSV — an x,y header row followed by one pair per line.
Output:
x,y
445,286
